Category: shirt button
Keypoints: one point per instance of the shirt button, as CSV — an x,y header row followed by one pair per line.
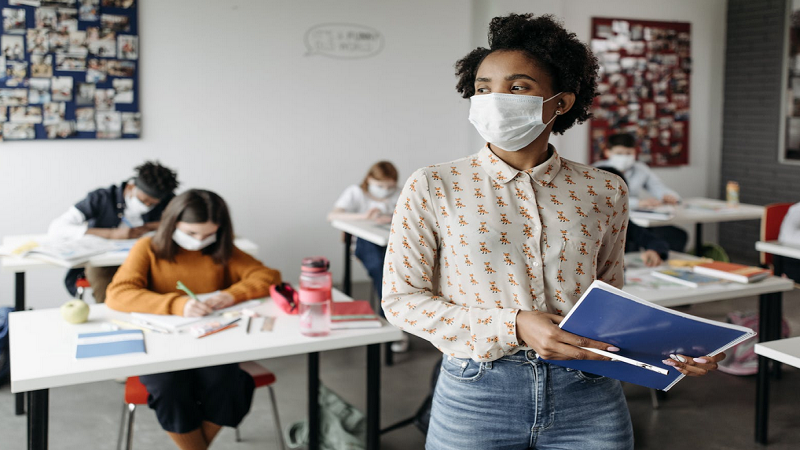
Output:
x,y
535,264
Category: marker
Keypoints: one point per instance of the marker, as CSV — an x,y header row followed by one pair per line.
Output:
x,y
188,291
227,326
633,362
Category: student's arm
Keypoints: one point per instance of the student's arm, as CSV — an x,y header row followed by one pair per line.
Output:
x,y
89,208
250,278
611,257
346,207
128,291
409,299
656,187
70,225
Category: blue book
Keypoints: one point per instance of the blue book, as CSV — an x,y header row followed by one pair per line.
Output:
x,y
644,332
107,343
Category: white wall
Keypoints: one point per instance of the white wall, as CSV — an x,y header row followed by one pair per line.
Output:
x,y
229,99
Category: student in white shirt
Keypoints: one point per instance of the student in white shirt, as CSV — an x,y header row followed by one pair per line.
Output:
x,y
790,235
620,153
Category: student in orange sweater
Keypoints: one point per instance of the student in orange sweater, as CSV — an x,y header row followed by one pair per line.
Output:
x,y
193,244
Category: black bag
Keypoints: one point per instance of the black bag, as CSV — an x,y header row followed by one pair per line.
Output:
x,y
5,362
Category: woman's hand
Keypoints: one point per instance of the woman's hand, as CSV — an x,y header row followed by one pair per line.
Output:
x,y
193,308
372,214
651,258
695,367
220,301
647,203
540,332
670,199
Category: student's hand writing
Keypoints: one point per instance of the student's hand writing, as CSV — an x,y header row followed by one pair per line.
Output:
x,y
219,301
540,332
127,233
372,214
193,308
651,258
138,232
671,199
383,218
649,203
695,367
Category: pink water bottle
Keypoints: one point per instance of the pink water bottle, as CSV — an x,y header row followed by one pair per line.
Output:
x,y
315,297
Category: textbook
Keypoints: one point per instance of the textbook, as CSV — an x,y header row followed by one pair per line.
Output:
x,y
686,277
355,314
646,334
734,272
107,343
70,253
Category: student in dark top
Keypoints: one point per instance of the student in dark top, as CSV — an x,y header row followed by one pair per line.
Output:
x,y
124,211
654,250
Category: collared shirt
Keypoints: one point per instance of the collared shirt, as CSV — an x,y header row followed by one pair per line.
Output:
x,y
640,179
475,241
790,227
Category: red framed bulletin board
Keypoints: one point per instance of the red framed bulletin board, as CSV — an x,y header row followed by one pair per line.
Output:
x,y
643,88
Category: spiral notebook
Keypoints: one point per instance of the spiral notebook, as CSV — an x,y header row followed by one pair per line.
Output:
x,y
644,332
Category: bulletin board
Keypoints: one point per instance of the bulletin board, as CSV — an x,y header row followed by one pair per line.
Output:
x,y
643,88
71,69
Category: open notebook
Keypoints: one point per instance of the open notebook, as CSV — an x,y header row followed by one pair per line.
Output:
x,y
173,323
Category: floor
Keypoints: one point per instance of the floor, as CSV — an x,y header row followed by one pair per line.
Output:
x,y
714,412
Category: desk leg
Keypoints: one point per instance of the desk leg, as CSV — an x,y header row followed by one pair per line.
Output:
x,y
373,396
19,305
762,382
313,401
777,317
698,239
347,283
38,420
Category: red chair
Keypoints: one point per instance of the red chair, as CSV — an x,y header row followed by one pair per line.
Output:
x,y
136,394
771,226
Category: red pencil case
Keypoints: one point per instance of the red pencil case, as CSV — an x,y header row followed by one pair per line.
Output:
x,y
285,297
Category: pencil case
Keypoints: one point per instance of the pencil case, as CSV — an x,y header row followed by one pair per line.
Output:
x,y
285,297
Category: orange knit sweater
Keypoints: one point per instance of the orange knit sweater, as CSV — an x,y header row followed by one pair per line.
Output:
x,y
146,284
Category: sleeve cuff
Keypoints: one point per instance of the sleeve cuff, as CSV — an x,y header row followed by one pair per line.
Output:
x,y
507,330
176,308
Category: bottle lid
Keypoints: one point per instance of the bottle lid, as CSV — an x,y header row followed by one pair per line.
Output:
x,y
315,264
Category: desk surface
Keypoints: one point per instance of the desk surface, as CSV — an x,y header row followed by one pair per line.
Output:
x,y
365,229
42,347
115,258
703,210
676,295
786,351
776,248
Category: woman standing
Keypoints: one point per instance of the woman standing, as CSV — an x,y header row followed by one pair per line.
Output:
x,y
488,253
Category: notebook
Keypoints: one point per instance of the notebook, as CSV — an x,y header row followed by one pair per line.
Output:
x,y
173,323
70,253
734,272
658,213
686,277
107,343
644,332
355,314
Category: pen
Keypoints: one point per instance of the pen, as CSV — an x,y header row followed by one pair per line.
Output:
x,y
231,324
188,291
127,222
249,319
633,362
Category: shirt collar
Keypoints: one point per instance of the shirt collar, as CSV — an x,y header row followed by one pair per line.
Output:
x,y
499,171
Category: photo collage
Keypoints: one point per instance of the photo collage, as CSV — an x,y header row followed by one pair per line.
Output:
x,y
643,88
70,69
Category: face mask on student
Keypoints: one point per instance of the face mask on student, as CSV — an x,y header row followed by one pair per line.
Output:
x,y
509,121
621,162
190,243
135,207
379,191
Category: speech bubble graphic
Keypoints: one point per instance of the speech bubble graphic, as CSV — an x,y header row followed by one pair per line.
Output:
x,y
343,40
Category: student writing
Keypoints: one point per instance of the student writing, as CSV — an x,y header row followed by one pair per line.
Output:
x,y
193,244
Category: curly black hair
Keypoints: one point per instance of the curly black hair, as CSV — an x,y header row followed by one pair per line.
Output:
x,y
569,62
157,177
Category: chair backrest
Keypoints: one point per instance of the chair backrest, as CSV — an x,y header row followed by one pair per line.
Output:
x,y
771,225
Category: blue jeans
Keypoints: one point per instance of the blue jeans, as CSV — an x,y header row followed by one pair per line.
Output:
x,y
519,402
372,256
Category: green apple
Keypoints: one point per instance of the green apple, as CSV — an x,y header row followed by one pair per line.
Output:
x,y
75,311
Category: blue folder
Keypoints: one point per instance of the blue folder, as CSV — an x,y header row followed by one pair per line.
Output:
x,y
645,332
109,343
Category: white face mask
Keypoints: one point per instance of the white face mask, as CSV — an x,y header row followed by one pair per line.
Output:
x,y
621,162
190,243
509,121
135,207
379,191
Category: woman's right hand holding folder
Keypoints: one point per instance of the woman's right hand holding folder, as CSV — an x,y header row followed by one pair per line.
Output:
x,y
540,331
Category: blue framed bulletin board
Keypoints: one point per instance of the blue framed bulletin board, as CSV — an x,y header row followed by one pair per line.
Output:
x,y
70,69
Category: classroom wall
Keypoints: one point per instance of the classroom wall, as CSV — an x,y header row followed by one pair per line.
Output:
x,y
751,131
231,100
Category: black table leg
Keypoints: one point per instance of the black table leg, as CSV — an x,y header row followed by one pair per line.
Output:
x,y
39,404
19,305
389,354
777,317
347,283
373,396
313,401
765,306
698,239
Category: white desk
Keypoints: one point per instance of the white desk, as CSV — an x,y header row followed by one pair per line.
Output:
x,y
776,248
43,356
786,351
770,292
20,266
